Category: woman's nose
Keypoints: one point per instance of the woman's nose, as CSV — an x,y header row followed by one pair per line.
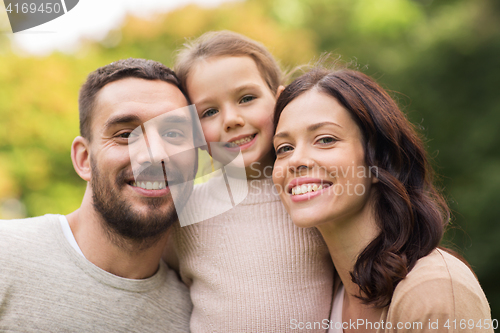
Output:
x,y
300,160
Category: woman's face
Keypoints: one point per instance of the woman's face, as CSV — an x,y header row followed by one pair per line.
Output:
x,y
320,169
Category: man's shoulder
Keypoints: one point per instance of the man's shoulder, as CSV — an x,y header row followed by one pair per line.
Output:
x,y
31,225
27,233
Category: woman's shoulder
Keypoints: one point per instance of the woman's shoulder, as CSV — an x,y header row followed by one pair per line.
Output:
x,y
439,268
440,287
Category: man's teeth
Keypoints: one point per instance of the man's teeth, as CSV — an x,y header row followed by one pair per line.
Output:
x,y
150,185
240,142
306,188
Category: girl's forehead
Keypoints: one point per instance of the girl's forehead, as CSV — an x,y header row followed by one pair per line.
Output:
x,y
223,74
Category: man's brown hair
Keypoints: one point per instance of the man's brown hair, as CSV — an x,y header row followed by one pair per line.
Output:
x,y
121,69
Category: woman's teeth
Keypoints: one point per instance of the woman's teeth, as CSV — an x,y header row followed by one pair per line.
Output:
x,y
240,142
306,188
150,185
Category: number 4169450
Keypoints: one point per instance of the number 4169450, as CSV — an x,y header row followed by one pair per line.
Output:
x,y
47,7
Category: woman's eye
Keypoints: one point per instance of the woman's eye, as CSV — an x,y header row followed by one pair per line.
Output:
x,y
209,113
326,140
247,99
283,149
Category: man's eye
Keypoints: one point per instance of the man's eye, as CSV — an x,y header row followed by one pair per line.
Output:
x,y
172,134
247,99
283,149
124,135
209,113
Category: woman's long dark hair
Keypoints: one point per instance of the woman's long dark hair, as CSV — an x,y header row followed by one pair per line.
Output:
x,y
410,212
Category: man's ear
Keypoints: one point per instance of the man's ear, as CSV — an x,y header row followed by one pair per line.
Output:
x,y
279,91
80,156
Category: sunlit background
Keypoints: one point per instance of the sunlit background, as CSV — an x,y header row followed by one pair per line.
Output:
x,y
441,60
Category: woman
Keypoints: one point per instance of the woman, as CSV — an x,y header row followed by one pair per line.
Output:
x,y
350,164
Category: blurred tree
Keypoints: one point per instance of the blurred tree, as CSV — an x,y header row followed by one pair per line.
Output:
x,y
442,57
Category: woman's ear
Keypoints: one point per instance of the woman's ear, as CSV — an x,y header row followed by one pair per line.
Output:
x,y
374,175
80,156
279,91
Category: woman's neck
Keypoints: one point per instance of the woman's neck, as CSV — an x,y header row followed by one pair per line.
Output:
x,y
346,239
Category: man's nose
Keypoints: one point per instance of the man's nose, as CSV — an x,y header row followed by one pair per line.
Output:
x,y
157,147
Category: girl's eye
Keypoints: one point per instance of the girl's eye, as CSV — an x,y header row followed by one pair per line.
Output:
x,y
326,140
247,99
283,149
209,113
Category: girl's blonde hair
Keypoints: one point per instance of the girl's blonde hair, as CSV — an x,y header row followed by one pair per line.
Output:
x,y
227,43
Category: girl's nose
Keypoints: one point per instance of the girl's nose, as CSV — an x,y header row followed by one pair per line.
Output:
x,y
232,118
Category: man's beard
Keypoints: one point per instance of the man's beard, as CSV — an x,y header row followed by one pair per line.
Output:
x,y
123,223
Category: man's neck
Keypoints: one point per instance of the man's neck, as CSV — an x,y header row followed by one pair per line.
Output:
x,y
126,259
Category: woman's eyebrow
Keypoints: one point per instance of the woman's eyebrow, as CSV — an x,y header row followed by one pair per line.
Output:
x,y
281,135
319,125
310,128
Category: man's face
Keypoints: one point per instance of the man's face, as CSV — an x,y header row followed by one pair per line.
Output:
x,y
142,142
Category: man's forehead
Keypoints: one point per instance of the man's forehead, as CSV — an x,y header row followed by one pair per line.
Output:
x,y
139,98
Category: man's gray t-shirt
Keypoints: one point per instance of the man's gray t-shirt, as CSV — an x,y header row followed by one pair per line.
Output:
x,y
46,286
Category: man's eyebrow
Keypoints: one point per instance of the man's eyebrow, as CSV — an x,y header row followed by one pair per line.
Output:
x,y
175,119
310,128
122,119
132,118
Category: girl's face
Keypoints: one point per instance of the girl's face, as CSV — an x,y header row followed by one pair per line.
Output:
x,y
235,105
320,169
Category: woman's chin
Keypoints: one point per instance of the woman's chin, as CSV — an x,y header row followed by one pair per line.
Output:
x,y
306,220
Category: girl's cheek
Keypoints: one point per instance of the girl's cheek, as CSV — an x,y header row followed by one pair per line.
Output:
x,y
208,133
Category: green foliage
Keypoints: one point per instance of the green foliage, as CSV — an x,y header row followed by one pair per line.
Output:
x,y
441,56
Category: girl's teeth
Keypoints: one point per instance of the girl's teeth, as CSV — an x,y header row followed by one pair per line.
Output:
x,y
240,142
306,188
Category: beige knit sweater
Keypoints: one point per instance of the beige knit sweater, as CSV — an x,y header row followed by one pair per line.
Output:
x,y
251,269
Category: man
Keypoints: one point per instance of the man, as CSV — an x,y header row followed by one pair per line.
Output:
x,y
98,269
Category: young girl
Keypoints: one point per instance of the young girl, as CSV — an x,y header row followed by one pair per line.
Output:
x,y
249,269
350,164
